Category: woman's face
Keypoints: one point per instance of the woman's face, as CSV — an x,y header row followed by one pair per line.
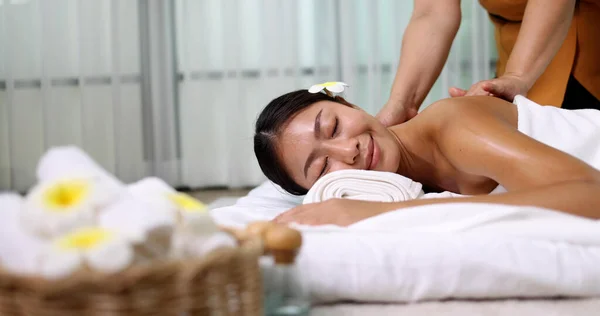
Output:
x,y
329,136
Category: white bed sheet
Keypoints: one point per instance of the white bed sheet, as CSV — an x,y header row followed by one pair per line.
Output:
x,y
437,259
546,307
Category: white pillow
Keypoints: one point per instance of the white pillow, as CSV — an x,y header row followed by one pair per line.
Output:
x,y
263,203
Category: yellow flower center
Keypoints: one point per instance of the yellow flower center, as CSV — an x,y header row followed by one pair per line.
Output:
x,y
187,203
329,84
85,238
66,194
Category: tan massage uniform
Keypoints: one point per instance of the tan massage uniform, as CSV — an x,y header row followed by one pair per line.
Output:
x,y
579,55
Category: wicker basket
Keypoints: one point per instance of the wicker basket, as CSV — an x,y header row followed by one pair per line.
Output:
x,y
225,282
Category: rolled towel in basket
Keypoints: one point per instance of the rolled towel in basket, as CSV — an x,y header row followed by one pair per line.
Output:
x,y
364,185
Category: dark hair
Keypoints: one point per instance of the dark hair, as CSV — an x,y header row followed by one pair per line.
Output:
x,y
269,125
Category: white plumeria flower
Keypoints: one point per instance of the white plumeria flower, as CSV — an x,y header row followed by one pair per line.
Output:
x,y
331,86
56,207
153,191
194,225
70,162
194,215
94,248
190,213
19,250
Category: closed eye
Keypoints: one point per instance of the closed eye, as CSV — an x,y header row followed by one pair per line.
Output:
x,y
324,166
335,127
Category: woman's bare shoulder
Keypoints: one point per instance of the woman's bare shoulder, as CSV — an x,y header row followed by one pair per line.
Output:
x,y
469,108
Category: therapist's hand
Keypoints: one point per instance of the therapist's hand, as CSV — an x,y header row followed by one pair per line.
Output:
x,y
341,212
505,87
396,112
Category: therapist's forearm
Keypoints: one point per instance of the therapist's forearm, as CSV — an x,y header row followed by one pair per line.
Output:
x,y
425,47
544,28
581,198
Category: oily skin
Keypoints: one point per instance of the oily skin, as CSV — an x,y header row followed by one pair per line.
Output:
x,y
409,149
465,145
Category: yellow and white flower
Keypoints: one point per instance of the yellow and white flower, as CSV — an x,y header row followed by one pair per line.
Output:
x,y
56,207
92,248
190,213
68,162
153,191
193,223
193,214
329,87
197,230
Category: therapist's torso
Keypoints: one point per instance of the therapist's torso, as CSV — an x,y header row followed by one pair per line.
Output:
x,y
579,54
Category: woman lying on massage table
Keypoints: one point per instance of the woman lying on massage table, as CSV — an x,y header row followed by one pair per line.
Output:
x,y
464,145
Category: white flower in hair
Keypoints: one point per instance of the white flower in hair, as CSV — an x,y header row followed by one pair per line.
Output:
x,y
94,248
58,206
330,86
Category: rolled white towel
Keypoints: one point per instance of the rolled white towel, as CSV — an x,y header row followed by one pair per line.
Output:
x,y
364,185
19,250
136,219
367,185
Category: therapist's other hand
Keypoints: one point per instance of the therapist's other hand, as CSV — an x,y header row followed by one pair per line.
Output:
x,y
396,112
341,212
505,87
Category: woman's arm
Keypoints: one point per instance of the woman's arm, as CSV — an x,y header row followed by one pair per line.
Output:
x,y
544,28
425,47
579,198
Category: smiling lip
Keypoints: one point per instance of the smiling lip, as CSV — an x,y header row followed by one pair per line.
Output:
x,y
372,154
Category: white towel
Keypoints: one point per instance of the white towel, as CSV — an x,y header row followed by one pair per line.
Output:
x,y
576,132
367,185
461,250
406,267
364,185
14,240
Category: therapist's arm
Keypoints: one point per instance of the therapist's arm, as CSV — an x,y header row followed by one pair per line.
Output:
x,y
425,47
544,28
